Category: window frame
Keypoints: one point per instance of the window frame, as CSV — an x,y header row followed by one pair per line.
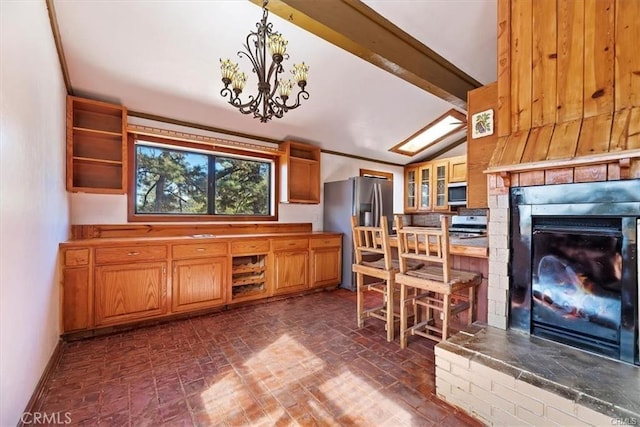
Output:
x,y
132,216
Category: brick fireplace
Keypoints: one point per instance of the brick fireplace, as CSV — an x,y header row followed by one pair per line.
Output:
x,y
567,121
502,373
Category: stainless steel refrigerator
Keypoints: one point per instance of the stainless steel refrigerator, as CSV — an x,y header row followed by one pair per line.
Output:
x,y
367,199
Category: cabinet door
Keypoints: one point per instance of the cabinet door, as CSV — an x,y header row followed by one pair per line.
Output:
x,y
458,169
410,189
198,283
77,309
291,271
326,266
126,292
441,179
424,196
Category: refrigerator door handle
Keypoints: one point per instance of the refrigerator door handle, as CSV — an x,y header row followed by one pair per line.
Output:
x,y
377,204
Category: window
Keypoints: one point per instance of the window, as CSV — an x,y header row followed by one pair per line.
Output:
x,y
188,183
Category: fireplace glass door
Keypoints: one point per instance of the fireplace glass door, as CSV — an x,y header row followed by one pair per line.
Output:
x,y
576,284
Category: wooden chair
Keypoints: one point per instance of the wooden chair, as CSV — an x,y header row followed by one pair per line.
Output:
x,y
368,241
439,289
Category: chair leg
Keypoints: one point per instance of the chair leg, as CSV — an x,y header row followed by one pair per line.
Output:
x,y
360,299
390,308
472,305
403,316
446,310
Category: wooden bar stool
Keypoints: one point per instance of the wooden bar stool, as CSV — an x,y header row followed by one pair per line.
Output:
x,y
368,241
439,291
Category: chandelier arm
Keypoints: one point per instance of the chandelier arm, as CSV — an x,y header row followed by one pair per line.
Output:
x,y
302,94
277,68
249,104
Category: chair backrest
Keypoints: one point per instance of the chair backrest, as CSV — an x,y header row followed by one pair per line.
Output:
x,y
428,245
375,240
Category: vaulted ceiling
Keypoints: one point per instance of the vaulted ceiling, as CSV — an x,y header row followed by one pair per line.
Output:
x,y
161,58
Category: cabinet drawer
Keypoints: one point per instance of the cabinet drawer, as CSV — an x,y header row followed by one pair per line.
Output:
x,y
250,246
326,242
280,245
73,257
194,250
130,254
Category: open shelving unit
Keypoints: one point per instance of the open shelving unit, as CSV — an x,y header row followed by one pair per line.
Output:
x,y
248,276
300,173
96,146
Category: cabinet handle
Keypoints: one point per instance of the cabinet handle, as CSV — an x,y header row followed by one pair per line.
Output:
x,y
133,253
200,249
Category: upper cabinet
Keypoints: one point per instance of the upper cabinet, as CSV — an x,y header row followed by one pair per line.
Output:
x,y
410,195
458,169
96,146
426,184
300,173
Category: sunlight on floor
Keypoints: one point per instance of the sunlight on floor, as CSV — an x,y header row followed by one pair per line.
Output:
x,y
285,359
355,396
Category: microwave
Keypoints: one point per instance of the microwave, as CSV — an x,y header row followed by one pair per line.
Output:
x,y
457,193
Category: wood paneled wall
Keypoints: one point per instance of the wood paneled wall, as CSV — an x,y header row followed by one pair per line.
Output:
x,y
568,79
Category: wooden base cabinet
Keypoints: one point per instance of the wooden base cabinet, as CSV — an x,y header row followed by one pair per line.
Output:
x,y
111,282
198,283
326,261
77,290
291,273
291,265
127,292
77,304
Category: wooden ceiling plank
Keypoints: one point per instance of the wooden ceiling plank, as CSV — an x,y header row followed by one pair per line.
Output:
x,y
521,54
620,130
356,28
595,135
544,54
564,140
538,144
503,115
570,86
515,147
627,63
633,135
599,52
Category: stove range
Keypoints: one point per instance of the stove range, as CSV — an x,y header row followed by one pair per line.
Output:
x,y
468,226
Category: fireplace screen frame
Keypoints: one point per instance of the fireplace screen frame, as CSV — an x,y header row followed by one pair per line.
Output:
x,y
610,199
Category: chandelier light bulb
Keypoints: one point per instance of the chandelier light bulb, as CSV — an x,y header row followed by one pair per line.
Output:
x,y
228,69
238,81
277,46
300,72
285,88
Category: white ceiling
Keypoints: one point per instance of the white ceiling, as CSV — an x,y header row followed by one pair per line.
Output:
x,y
161,57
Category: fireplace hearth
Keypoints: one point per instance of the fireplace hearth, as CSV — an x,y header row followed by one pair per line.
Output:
x,y
574,277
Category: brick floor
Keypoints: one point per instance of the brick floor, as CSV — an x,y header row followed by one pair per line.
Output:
x,y
299,361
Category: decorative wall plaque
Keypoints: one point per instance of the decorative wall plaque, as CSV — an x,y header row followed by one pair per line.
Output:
x,y
482,124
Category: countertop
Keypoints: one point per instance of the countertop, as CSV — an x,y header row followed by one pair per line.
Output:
x,y
476,247
100,241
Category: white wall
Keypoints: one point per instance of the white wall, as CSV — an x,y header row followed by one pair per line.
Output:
x,y
112,209
34,214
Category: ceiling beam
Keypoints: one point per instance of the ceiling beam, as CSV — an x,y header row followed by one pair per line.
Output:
x,y
356,28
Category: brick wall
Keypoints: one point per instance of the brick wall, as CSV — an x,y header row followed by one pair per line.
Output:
x,y
497,398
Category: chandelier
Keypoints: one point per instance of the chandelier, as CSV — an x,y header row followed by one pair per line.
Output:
x,y
266,104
